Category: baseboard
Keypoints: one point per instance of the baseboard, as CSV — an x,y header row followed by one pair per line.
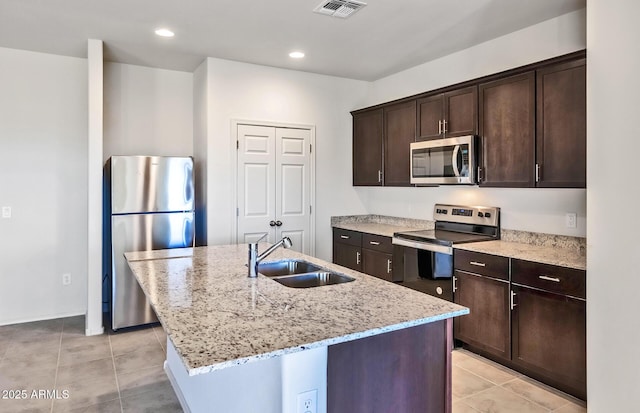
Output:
x,y
176,388
39,318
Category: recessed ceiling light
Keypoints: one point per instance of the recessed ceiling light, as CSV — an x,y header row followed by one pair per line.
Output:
x,y
165,33
296,55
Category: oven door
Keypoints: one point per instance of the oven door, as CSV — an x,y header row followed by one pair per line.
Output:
x,y
417,274
444,161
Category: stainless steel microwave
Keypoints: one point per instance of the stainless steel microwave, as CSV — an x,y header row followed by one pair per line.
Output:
x,y
444,161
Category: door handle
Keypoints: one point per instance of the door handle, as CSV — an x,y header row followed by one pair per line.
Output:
x,y
272,223
454,161
357,257
454,284
513,304
444,126
439,127
278,223
388,266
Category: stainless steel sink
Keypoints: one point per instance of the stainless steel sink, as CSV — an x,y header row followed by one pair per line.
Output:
x,y
312,279
301,274
286,267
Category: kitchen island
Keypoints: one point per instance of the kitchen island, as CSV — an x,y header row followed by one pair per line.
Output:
x,y
237,344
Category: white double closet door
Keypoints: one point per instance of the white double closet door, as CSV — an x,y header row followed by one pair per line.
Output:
x,y
274,185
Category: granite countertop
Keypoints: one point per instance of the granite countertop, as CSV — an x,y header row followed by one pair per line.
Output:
x,y
217,317
379,224
564,257
564,251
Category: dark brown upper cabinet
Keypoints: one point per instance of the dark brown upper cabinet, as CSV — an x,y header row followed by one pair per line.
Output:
x,y
367,148
448,114
507,130
399,132
561,134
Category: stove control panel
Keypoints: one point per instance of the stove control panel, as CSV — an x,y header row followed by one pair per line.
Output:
x,y
479,215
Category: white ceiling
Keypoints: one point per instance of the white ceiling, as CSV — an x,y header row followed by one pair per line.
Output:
x,y
384,37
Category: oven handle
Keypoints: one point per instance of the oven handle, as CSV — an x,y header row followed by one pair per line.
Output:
x,y
422,245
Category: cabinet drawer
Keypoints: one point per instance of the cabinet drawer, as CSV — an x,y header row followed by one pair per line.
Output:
x,y
377,243
344,236
484,264
559,280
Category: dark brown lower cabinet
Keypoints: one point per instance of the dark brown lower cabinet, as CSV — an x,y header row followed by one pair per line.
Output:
x,y
549,338
407,370
349,256
378,264
487,326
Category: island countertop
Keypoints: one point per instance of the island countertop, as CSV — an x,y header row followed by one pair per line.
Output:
x,y
217,317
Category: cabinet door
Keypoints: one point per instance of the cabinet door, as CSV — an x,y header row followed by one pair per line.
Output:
x,y
399,132
461,112
367,148
378,264
429,117
487,325
549,338
561,141
349,256
507,121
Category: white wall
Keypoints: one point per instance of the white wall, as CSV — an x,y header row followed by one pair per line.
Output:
x,y
252,92
613,366
147,111
200,145
538,210
43,177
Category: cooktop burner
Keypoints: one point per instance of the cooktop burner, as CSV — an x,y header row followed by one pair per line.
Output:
x,y
442,237
454,224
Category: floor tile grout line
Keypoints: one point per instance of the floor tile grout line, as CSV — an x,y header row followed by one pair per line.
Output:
x,y
115,373
517,394
567,401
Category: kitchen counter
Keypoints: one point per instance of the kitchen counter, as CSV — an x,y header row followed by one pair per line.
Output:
x,y
564,251
379,224
553,255
216,317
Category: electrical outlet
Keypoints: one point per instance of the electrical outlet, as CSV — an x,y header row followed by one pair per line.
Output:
x,y
66,279
571,220
6,212
307,402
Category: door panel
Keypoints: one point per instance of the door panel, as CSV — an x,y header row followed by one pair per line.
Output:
x,y
461,112
487,325
429,117
549,337
151,184
400,132
562,127
274,185
141,232
293,182
507,125
367,148
256,182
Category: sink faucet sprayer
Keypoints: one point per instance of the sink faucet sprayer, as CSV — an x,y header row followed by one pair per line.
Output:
x,y
254,258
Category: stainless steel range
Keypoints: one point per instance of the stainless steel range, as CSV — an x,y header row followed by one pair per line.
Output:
x,y
424,258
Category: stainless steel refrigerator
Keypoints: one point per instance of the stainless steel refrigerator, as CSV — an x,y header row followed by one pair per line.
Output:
x,y
148,205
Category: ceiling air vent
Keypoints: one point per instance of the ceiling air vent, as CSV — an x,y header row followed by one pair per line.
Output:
x,y
339,8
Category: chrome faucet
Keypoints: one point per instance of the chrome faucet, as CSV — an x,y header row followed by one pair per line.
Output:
x,y
254,258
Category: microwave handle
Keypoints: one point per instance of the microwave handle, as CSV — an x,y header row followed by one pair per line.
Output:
x,y
454,160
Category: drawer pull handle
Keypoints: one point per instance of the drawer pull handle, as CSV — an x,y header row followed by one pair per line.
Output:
x,y
345,236
479,264
374,243
545,277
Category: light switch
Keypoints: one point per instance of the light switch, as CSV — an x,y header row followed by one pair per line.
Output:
x,y
6,212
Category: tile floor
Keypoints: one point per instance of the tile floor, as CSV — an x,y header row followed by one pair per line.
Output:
x,y
123,373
